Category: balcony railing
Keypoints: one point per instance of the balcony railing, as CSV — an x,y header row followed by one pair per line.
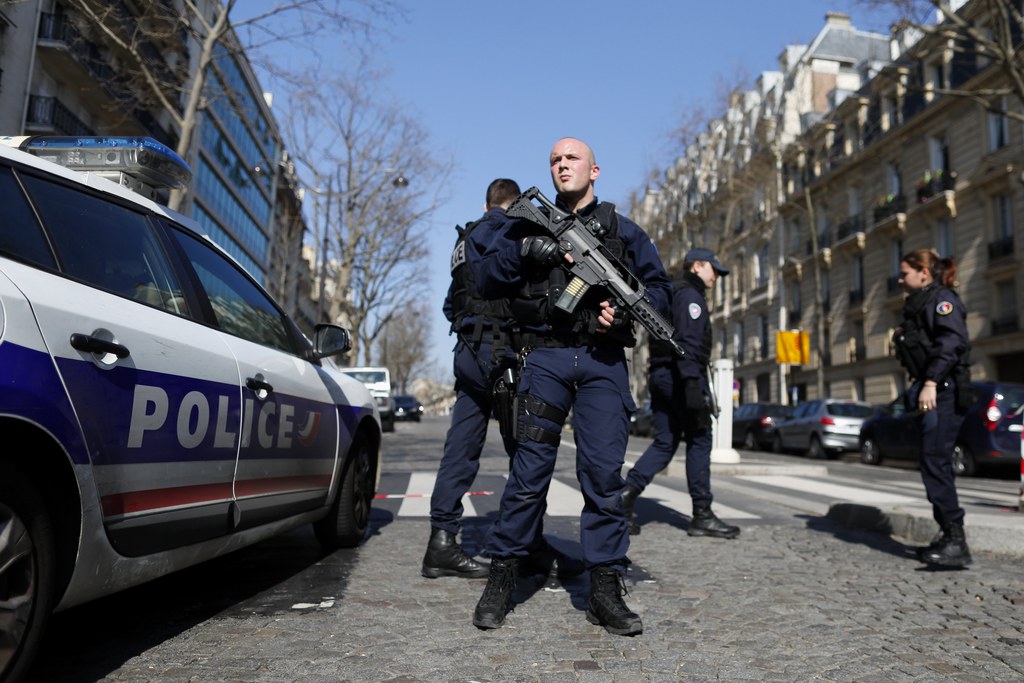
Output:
x,y
890,207
934,184
856,296
850,226
48,111
1000,248
1006,324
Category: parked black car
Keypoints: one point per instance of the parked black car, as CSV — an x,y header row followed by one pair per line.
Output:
x,y
989,436
753,424
408,408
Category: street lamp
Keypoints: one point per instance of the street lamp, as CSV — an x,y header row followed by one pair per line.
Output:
x,y
399,181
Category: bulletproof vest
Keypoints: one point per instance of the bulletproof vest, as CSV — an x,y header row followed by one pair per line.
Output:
x,y
911,339
660,349
466,299
534,304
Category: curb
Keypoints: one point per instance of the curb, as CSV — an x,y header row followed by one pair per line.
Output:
x,y
998,533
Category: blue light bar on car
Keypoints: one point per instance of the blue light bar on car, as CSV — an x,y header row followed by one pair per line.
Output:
x,y
143,159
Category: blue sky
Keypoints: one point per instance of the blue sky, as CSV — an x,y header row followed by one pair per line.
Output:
x,y
495,84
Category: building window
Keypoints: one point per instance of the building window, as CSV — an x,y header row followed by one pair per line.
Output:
x,y
1002,233
889,115
762,268
1006,318
739,342
826,292
762,337
938,154
895,256
998,126
857,280
944,237
935,79
893,179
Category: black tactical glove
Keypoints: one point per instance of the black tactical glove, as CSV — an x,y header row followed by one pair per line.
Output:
x,y
622,317
544,251
694,395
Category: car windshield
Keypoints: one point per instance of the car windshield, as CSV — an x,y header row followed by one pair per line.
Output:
x,y
849,410
367,377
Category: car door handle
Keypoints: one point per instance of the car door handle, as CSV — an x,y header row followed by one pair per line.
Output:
x,y
258,384
90,344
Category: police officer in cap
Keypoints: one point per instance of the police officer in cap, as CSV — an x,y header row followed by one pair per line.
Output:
x,y
568,362
932,345
681,398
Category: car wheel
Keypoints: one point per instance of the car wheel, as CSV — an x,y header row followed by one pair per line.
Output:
x,y
27,572
777,444
749,442
815,449
869,453
964,463
349,516
387,424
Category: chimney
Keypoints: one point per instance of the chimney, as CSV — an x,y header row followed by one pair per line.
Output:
x,y
838,19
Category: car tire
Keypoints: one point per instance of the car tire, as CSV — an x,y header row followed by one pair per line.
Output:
x,y
28,560
749,442
815,450
387,424
777,444
869,453
346,523
964,462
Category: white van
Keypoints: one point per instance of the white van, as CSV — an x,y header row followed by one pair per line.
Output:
x,y
378,381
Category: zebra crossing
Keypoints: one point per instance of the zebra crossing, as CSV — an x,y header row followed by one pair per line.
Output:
x,y
738,497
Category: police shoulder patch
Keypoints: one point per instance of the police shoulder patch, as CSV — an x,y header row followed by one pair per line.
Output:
x,y
944,308
694,310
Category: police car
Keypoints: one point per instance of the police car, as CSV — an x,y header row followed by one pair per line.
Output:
x,y
157,407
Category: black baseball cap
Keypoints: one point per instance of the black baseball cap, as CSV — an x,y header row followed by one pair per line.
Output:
x,y
702,254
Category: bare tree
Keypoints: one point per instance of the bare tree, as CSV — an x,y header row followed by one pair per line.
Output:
x,y
165,56
402,344
372,165
978,33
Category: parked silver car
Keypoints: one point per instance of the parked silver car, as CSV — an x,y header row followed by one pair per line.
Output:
x,y
822,426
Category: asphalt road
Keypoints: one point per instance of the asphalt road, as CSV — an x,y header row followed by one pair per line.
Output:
x,y
797,597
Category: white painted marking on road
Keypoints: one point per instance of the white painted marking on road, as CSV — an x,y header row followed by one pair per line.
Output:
x,y
564,500
419,505
681,502
848,494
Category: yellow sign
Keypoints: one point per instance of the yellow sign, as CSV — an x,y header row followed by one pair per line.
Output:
x,y
792,347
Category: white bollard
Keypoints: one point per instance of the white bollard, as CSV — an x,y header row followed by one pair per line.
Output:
x,y
721,442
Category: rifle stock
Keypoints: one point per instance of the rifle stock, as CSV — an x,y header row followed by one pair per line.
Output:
x,y
592,264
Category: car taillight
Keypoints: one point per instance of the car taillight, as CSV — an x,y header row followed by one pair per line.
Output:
x,y
767,421
992,415
827,421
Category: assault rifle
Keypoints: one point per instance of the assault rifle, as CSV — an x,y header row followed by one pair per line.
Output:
x,y
592,264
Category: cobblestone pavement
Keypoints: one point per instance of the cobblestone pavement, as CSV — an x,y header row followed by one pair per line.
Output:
x,y
798,597
792,602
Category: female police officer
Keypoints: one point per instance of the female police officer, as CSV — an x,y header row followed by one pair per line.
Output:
x,y
932,345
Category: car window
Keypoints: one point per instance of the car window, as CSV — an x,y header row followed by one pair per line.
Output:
x,y
107,245
779,411
240,307
20,233
849,410
1013,398
368,376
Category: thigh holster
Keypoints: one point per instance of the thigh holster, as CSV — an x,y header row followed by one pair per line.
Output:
x,y
526,430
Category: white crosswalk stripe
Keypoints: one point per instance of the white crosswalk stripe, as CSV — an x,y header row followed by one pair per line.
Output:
x,y
850,494
681,502
416,502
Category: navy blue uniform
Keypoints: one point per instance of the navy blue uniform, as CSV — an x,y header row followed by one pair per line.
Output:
x,y
476,364
567,369
938,311
679,390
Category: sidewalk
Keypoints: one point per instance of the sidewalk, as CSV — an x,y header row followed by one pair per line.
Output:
x,y
989,527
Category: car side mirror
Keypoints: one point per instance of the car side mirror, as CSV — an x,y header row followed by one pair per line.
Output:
x,y
331,340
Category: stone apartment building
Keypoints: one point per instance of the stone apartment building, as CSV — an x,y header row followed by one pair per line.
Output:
x,y
812,187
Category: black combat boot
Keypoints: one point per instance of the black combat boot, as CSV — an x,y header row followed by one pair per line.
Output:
x,y
939,539
497,598
548,560
704,523
951,550
629,495
605,606
445,557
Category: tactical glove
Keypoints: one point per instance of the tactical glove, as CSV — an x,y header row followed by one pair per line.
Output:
x,y
544,251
